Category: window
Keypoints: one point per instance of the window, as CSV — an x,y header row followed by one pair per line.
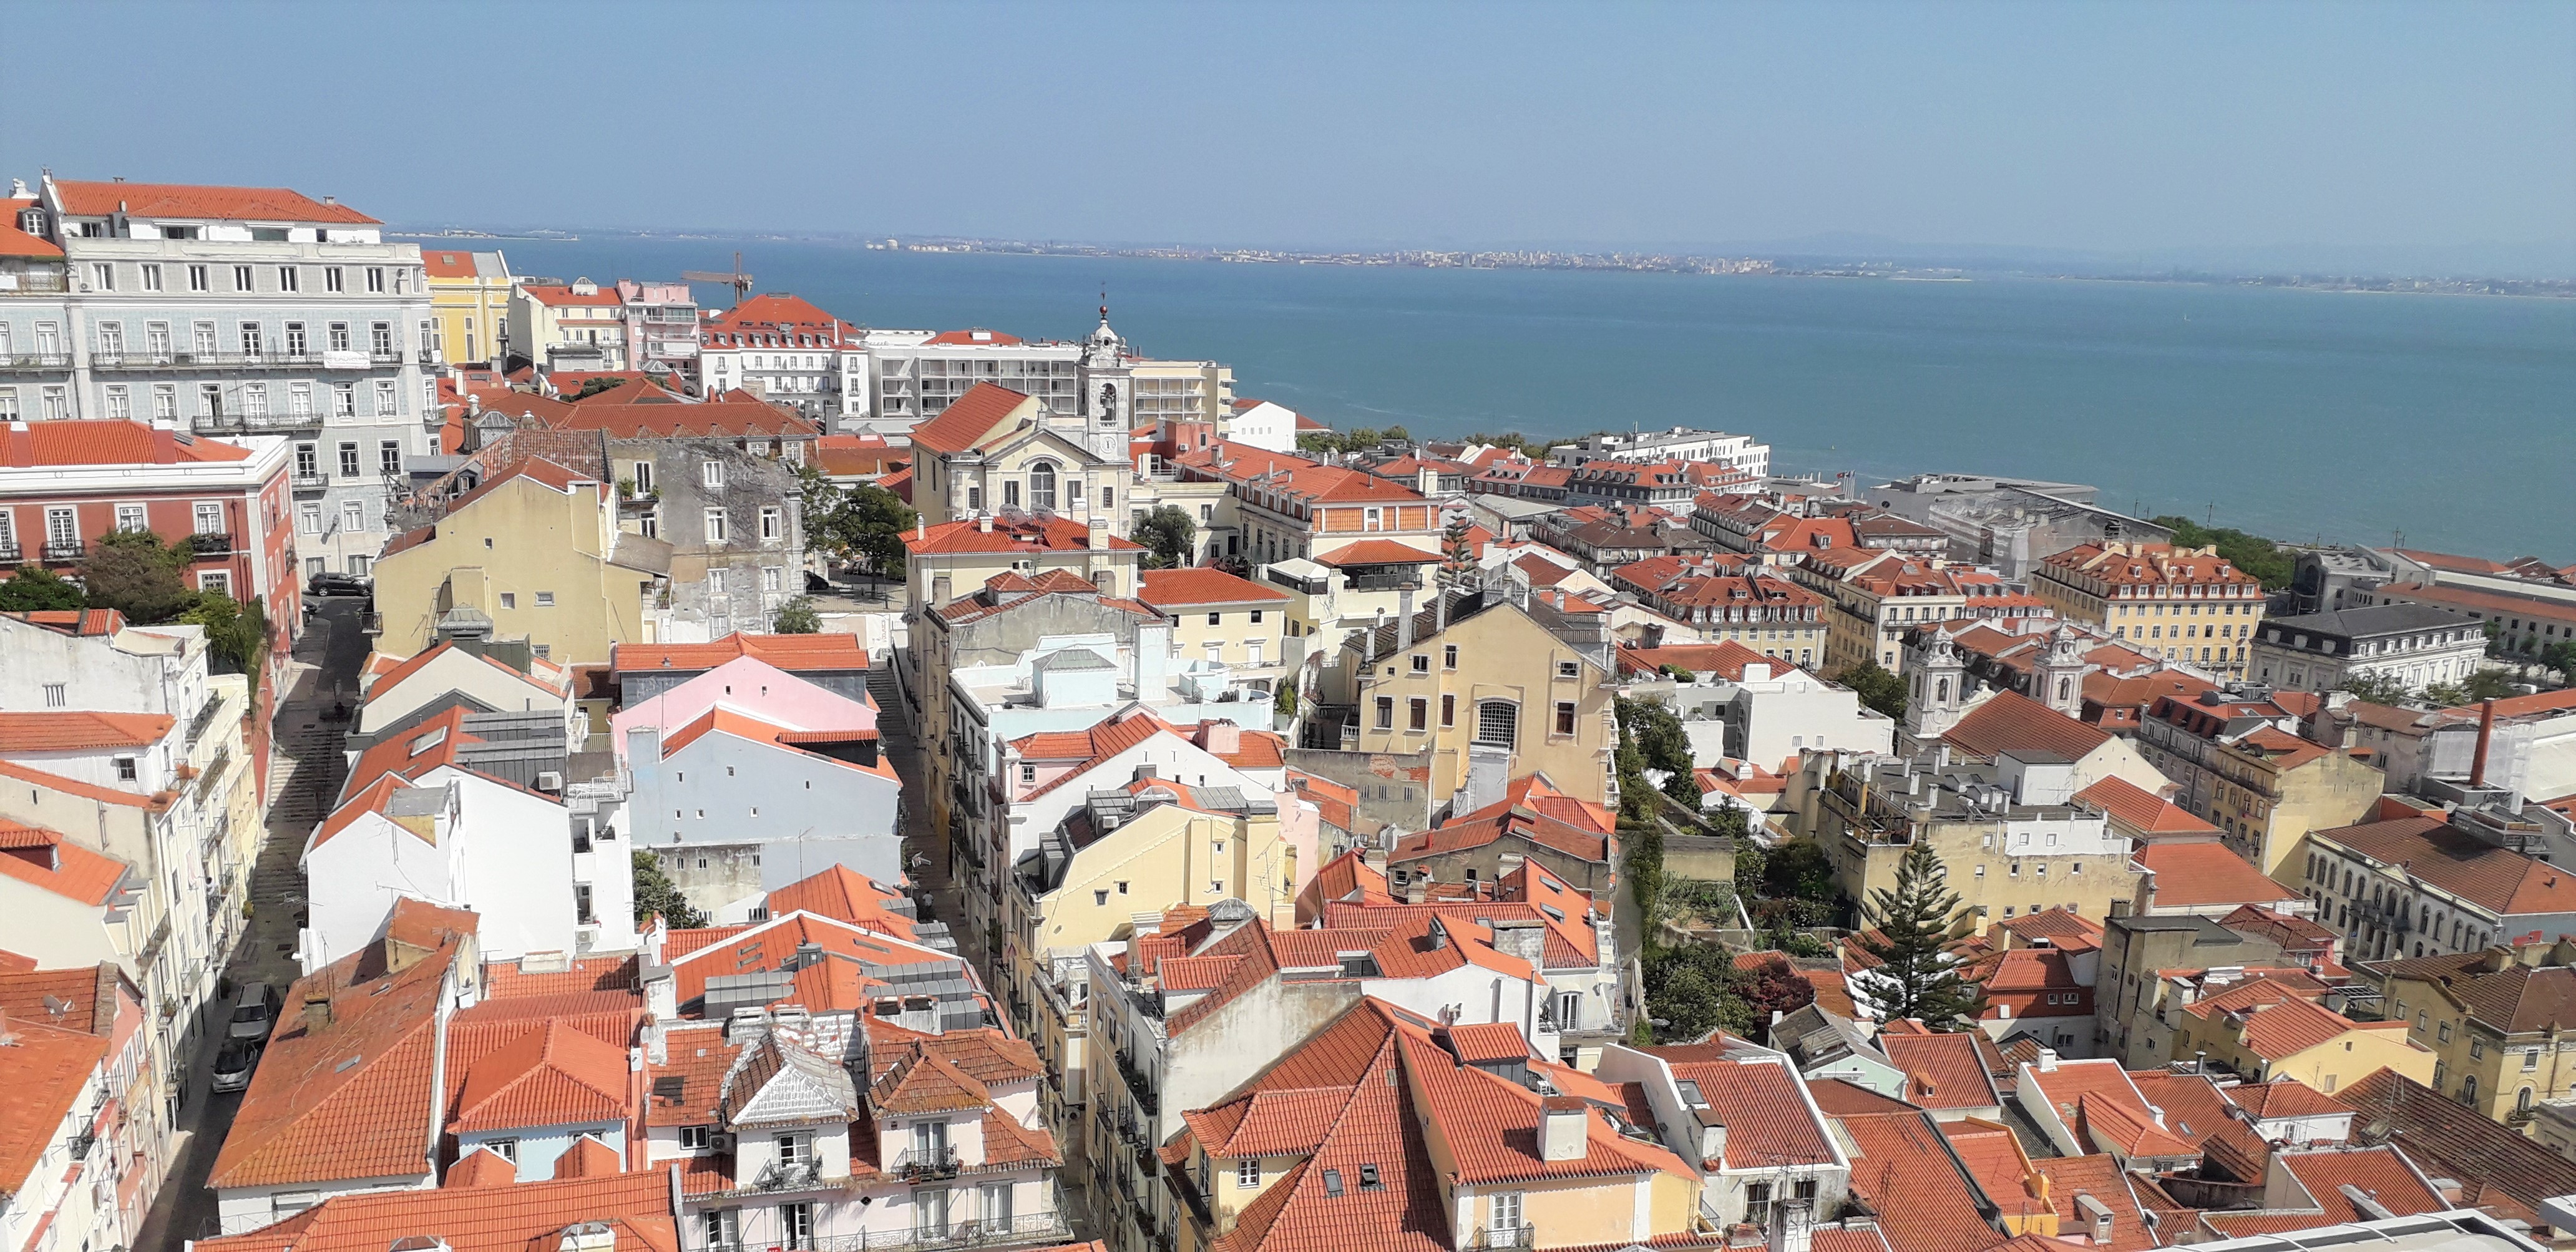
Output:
x,y
1569,669
241,278
102,275
380,339
545,599
389,454
1418,714
1498,722
715,526
209,517
349,460
2530,1059
120,402
62,529
111,338
375,280
1042,486
8,400
1503,1211
197,279
1421,664
1565,717
1449,656
795,1149
711,475
289,278
344,400
1247,1172
126,769
308,518
254,399
353,516
1448,710
773,578
508,1148
299,399
55,697
694,1139
1386,712
509,599
796,1225
773,525
385,397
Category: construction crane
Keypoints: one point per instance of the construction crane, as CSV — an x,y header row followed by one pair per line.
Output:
x,y
739,281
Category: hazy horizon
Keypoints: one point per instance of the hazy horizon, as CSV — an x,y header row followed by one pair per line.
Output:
x,y
2432,139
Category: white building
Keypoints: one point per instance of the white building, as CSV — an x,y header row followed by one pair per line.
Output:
x,y
787,351
1261,424
2413,644
235,310
628,325
1681,443
912,375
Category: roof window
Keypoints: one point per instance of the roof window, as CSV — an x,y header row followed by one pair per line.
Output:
x,y
1332,1182
1369,1180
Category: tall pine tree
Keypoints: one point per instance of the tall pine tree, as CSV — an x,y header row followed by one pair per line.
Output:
x,y
1918,922
1457,553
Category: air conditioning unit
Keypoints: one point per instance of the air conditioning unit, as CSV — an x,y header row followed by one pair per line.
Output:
x,y
549,781
720,1141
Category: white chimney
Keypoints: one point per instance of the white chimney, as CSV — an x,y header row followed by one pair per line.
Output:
x,y
2048,1060
1561,1128
1712,1141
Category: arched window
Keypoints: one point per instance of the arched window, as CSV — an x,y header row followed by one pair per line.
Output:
x,y
1498,723
1944,697
1042,485
2522,1100
2064,688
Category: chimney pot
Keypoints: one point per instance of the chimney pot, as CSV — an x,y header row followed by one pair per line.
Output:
x,y
317,1010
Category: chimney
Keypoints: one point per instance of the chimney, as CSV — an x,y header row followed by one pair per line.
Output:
x,y
984,523
1712,1138
920,526
1404,617
1562,1126
1941,755
2486,733
2097,1217
2048,1060
1220,738
1438,935
1096,535
1525,938
1793,1223
317,1010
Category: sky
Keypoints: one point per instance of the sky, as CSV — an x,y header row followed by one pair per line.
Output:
x,y
2435,134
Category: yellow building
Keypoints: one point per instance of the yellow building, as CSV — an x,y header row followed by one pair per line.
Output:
x,y
469,303
2494,1019
1877,595
2273,788
2180,604
537,554
2295,1038
1477,677
1219,617
994,450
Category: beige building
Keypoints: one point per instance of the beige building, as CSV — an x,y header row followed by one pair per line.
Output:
x,y
2273,788
1494,696
535,553
469,303
1219,617
997,451
2011,836
1876,595
2180,604
2495,1021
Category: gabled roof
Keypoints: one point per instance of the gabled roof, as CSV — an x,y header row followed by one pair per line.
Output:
x,y
44,858
792,653
42,1075
2497,879
1169,589
1941,1071
351,1097
845,895
1902,1167
2455,1141
1764,1112
28,445
780,1082
1376,552
2141,810
2010,720
2203,873
2497,990
1469,834
1027,532
525,1217
555,1076
1533,792
974,418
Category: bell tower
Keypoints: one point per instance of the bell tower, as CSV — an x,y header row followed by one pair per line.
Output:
x,y
1939,687
2057,679
1108,390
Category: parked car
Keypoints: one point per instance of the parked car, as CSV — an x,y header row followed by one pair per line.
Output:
x,y
254,1013
339,585
234,1063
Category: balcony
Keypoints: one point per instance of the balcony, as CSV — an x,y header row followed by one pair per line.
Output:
x,y
45,282
65,550
35,362
999,1232
80,1144
9,553
1139,1085
781,1176
916,1164
303,481
1523,1236
210,543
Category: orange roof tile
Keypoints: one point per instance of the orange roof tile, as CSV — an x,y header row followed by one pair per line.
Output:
x,y
554,1076
2009,720
45,859
636,1207
1376,552
61,444
192,200
1026,533
2142,810
793,653
1941,1071
42,1076
2497,879
969,419
1901,1164
2199,873
1201,585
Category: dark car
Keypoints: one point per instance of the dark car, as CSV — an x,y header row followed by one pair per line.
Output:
x,y
816,582
234,1064
338,585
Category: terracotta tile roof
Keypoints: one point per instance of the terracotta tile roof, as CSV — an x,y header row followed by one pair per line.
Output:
x,y
392,676
844,894
696,955
42,1076
925,1082
683,1090
973,337
61,444
44,858
79,623
1767,1122
2284,1097
2064,929
552,1076
192,200
16,242
1534,793
1024,533
1725,659
1008,1143
734,414
2514,999
2501,881
588,1158
481,1167
502,980
522,1218
2202,873
2380,1173
82,1000
1200,585
2096,1100
2294,1025
1841,1097
793,653
1470,834
2141,810
858,456
1376,552
2454,1141
1941,1071
1345,877
1902,1169
970,419
349,1099
2009,720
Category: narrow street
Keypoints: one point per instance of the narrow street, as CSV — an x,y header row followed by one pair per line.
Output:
x,y
925,847
304,774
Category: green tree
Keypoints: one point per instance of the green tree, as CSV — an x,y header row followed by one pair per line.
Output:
x,y
237,633
1286,700
2493,684
1682,786
1693,988
1876,687
1678,674
2253,554
2378,689
2560,657
136,574
593,386
866,522
1169,536
797,617
1800,869
2445,695
1918,922
1657,732
35,589
656,893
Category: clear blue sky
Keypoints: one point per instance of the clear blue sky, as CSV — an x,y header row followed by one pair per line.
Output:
x,y
2119,128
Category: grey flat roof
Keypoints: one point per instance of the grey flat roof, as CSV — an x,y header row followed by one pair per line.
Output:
x,y
2374,619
